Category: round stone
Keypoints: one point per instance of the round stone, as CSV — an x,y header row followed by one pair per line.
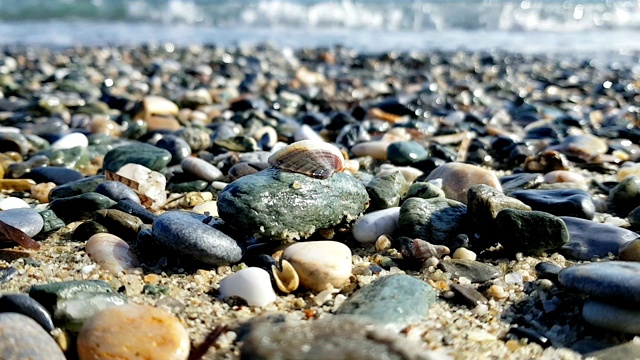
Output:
x,y
121,331
406,153
320,264
201,168
252,284
28,221
23,338
614,281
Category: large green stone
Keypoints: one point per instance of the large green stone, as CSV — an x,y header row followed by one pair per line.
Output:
x,y
386,191
143,154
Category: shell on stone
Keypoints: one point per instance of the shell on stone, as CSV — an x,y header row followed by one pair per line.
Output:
x,y
309,157
286,277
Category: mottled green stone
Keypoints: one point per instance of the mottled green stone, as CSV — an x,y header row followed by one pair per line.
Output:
x,y
76,187
530,232
386,191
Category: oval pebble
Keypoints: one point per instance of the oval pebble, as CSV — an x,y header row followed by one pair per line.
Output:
x,y
201,168
368,228
28,221
23,338
320,264
119,332
13,203
375,149
615,281
610,317
457,178
251,284
117,191
70,141
111,253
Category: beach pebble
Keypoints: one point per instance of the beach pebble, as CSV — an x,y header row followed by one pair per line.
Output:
x,y
111,253
305,132
252,284
281,205
117,191
521,181
475,271
372,225
23,338
548,270
630,251
410,174
530,232
628,169
584,146
120,332
55,174
435,220
119,223
418,249
457,178
565,176
176,146
201,169
615,282
25,305
70,141
187,236
87,229
320,264
403,153
135,209
394,301
464,254
611,317
484,203
77,187
374,149
469,295
625,196
386,191
156,105
589,239
13,203
559,202
80,207
424,190
151,184
149,156
628,350
28,221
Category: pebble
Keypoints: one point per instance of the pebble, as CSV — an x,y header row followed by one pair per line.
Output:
x,y
530,232
147,183
457,178
111,253
176,146
76,187
464,254
424,190
385,191
469,295
589,239
625,196
630,251
187,236
119,223
87,229
376,149
23,338
28,221
80,207
202,169
403,153
611,317
560,202
252,284
436,220
135,209
13,203
616,282
483,205
208,207
70,141
149,156
547,270
565,176
7,273
629,350
117,191
475,271
55,174
368,228
23,304
634,217
119,332
320,264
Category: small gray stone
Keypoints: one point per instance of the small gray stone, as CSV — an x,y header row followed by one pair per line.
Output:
x,y
23,338
386,191
617,282
530,232
28,221
607,316
475,271
394,301
117,191
437,220
590,239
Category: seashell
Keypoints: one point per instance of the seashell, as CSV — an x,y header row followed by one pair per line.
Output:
x,y
309,157
286,279
111,253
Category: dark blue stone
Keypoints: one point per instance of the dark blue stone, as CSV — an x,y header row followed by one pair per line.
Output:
x,y
131,207
117,191
54,174
25,305
559,202
617,282
175,145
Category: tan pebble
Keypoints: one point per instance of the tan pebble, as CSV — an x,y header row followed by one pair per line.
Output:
x,y
163,123
497,292
152,279
156,105
628,169
133,332
462,253
105,126
41,191
562,176
630,251
209,207
457,178
383,243
16,184
111,253
320,264
351,166
375,149
512,345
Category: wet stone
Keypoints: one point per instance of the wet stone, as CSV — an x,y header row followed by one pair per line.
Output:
x,y
475,271
28,221
403,153
560,202
484,203
589,239
23,338
435,220
386,191
25,305
625,196
612,317
143,154
615,282
530,232
77,187
176,146
547,270
522,181
119,223
117,191
54,174
80,207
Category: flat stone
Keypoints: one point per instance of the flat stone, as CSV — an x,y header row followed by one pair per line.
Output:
x,y
590,239
483,205
76,187
457,178
320,264
7,273
80,207
436,220
51,221
385,191
282,205
117,191
521,181
475,271
49,294
616,282
469,295
610,317
121,331
185,235
11,202
559,202
143,154
23,338
530,232
25,305
368,228
28,221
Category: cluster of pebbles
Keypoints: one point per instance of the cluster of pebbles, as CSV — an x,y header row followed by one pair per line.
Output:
x,y
203,202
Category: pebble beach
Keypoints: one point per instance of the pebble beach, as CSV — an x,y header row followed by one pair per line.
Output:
x,y
256,202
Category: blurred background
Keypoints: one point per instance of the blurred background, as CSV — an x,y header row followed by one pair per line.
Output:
x,y
534,26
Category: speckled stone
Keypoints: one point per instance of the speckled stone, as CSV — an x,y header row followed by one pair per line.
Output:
x,y
22,338
424,190
143,154
385,191
394,301
616,282
590,239
457,178
185,235
484,203
121,331
559,202
28,221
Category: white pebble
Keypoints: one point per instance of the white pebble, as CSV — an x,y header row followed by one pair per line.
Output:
x,y
368,228
463,253
320,264
305,132
70,141
13,203
251,284
513,278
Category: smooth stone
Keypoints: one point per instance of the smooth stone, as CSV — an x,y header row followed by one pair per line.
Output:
x,y
305,132
13,203
49,294
521,181
590,239
119,223
559,202
283,205
76,187
424,190
156,105
117,191
201,169
238,143
332,337
394,301
386,191
16,184
610,317
583,146
28,221
627,169
198,139
87,229
457,178
55,174
188,186
175,145
143,154
483,205
372,225
25,305
7,273
436,220
406,153
375,149
244,168
320,264
547,270
150,184
135,209
251,284
612,281
80,207
185,235
625,196
133,331
475,271
23,338
626,351
111,253
70,141
564,176
161,123
530,232
469,295
20,169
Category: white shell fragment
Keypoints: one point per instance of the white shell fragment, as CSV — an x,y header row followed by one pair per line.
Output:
x,y
287,280
251,284
149,184
111,253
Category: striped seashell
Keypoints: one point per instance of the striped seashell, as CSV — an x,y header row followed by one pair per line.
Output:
x,y
309,157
